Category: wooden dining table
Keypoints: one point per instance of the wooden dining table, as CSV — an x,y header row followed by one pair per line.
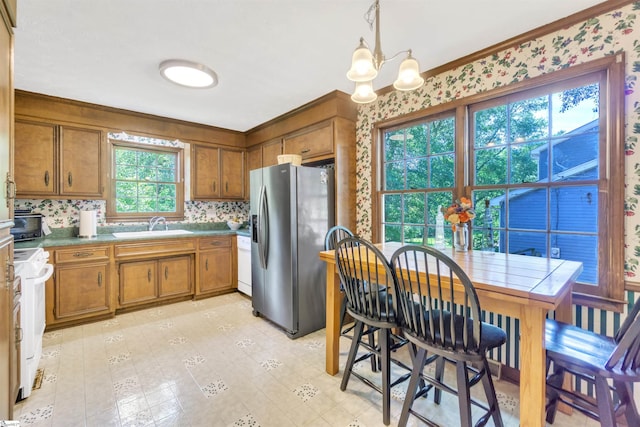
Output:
x,y
518,286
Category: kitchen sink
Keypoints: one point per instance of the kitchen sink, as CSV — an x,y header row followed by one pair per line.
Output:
x,y
154,233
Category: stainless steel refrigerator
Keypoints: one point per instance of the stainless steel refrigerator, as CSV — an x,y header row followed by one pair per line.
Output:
x,y
292,208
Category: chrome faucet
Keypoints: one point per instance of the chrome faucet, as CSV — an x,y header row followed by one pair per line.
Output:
x,y
156,219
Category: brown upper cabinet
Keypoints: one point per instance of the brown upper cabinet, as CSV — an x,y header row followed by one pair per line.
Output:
x,y
323,132
261,156
56,161
216,173
312,143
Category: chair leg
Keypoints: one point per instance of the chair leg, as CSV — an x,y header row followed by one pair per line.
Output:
x,y
490,392
605,402
625,393
372,343
343,312
353,351
437,394
555,379
385,360
412,389
464,396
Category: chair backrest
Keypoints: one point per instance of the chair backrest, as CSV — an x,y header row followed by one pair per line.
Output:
x,y
430,288
367,279
334,235
625,358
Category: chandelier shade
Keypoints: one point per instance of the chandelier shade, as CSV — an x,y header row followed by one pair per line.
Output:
x,y
364,93
362,65
408,75
365,64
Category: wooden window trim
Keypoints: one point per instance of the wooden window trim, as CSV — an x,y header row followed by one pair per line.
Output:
x,y
112,215
611,285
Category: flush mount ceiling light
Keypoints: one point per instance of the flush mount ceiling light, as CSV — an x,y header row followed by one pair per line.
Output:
x,y
365,65
188,73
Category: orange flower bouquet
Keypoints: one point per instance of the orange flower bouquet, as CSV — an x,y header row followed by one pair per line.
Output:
x,y
461,211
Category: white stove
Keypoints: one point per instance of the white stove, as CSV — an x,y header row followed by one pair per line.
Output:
x,y
34,270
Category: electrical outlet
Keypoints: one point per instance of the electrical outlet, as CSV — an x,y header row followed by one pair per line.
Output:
x,y
555,252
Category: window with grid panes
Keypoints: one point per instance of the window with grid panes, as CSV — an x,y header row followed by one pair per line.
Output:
x,y
542,163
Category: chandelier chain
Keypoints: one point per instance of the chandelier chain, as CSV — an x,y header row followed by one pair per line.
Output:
x,y
370,15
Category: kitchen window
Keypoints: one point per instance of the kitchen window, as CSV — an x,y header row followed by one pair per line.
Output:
x,y
419,171
146,180
542,162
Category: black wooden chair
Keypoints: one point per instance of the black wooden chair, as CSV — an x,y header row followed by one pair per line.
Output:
x,y
440,314
608,365
370,303
333,236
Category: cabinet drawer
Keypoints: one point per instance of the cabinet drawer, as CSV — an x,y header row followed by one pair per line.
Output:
x,y
152,248
82,254
214,242
312,143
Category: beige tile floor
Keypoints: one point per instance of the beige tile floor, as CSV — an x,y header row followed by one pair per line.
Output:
x,y
209,363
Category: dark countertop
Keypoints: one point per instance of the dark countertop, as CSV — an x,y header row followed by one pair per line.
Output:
x,y
105,236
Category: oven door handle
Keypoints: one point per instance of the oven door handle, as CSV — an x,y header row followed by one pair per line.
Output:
x,y
46,273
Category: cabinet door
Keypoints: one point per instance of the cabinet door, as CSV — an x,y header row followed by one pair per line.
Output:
x,y
232,174
8,351
6,119
316,141
216,270
175,276
254,158
270,153
82,290
34,163
137,282
254,161
205,172
81,161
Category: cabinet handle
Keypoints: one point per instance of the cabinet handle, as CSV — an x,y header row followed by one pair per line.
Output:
x,y
149,275
46,178
166,272
214,186
70,179
226,187
216,243
10,274
305,151
82,254
99,278
11,188
206,265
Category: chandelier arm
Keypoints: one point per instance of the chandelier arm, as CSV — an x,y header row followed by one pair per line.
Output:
x,y
398,54
378,56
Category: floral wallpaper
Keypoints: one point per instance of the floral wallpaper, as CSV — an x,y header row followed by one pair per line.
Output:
x,y
607,34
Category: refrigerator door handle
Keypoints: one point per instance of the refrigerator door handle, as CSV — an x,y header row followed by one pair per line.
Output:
x,y
263,227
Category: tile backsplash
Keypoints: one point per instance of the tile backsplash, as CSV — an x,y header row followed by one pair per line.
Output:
x,y
66,213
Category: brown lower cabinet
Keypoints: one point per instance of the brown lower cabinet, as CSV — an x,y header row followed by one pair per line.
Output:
x,y
92,282
145,281
9,326
216,261
81,283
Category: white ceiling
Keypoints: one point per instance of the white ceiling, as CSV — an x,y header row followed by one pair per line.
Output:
x,y
271,56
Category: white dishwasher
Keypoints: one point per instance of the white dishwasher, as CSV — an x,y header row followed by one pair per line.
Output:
x,y
244,264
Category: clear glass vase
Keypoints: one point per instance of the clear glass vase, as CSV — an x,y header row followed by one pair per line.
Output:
x,y
461,237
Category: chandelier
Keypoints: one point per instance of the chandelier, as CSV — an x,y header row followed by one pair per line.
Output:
x,y
365,65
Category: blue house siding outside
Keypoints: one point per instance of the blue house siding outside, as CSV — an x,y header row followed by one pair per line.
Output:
x,y
573,210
